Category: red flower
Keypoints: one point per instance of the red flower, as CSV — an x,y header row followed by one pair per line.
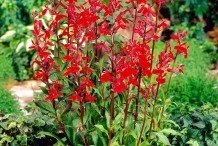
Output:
x,y
119,87
106,77
161,80
72,70
53,92
90,98
183,50
87,83
87,70
75,97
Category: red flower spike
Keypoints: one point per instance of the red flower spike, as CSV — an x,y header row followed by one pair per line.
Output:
x,y
50,43
157,71
163,24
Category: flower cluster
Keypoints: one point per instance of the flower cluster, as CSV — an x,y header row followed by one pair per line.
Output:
x,y
79,50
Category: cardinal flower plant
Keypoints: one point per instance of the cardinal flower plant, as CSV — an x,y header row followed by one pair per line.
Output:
x,y
103,85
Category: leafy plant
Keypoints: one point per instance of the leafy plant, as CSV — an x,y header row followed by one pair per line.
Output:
x,y
6,101
101,90
198,127
7,73
27,129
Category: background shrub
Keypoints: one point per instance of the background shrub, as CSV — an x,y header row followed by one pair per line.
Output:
x,y
8,104
6,70
196,86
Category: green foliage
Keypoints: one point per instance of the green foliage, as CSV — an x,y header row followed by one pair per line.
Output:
x,y
196,86
8,104
27,129
198,127
6,75
15,35
188,10
6,70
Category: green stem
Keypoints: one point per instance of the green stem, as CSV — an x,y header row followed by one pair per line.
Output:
x,y
144,121
153,111
165,97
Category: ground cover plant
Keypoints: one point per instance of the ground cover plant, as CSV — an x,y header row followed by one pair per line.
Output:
x,y
197,126
103,90
21,129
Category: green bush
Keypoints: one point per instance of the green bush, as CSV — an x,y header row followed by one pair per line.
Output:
x,y
197,86
6,70
8,104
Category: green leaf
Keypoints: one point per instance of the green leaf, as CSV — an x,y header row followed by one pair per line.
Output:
x,y
144,143
22,139
45,105
169,131
28,44
102,129
162,138
213,123
118,136
54,136
12,125
44,90
115,144
117,120
172,122
7,36
216,130
95,138
97,91
187,121
107,115
192,143
39,122
199,124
